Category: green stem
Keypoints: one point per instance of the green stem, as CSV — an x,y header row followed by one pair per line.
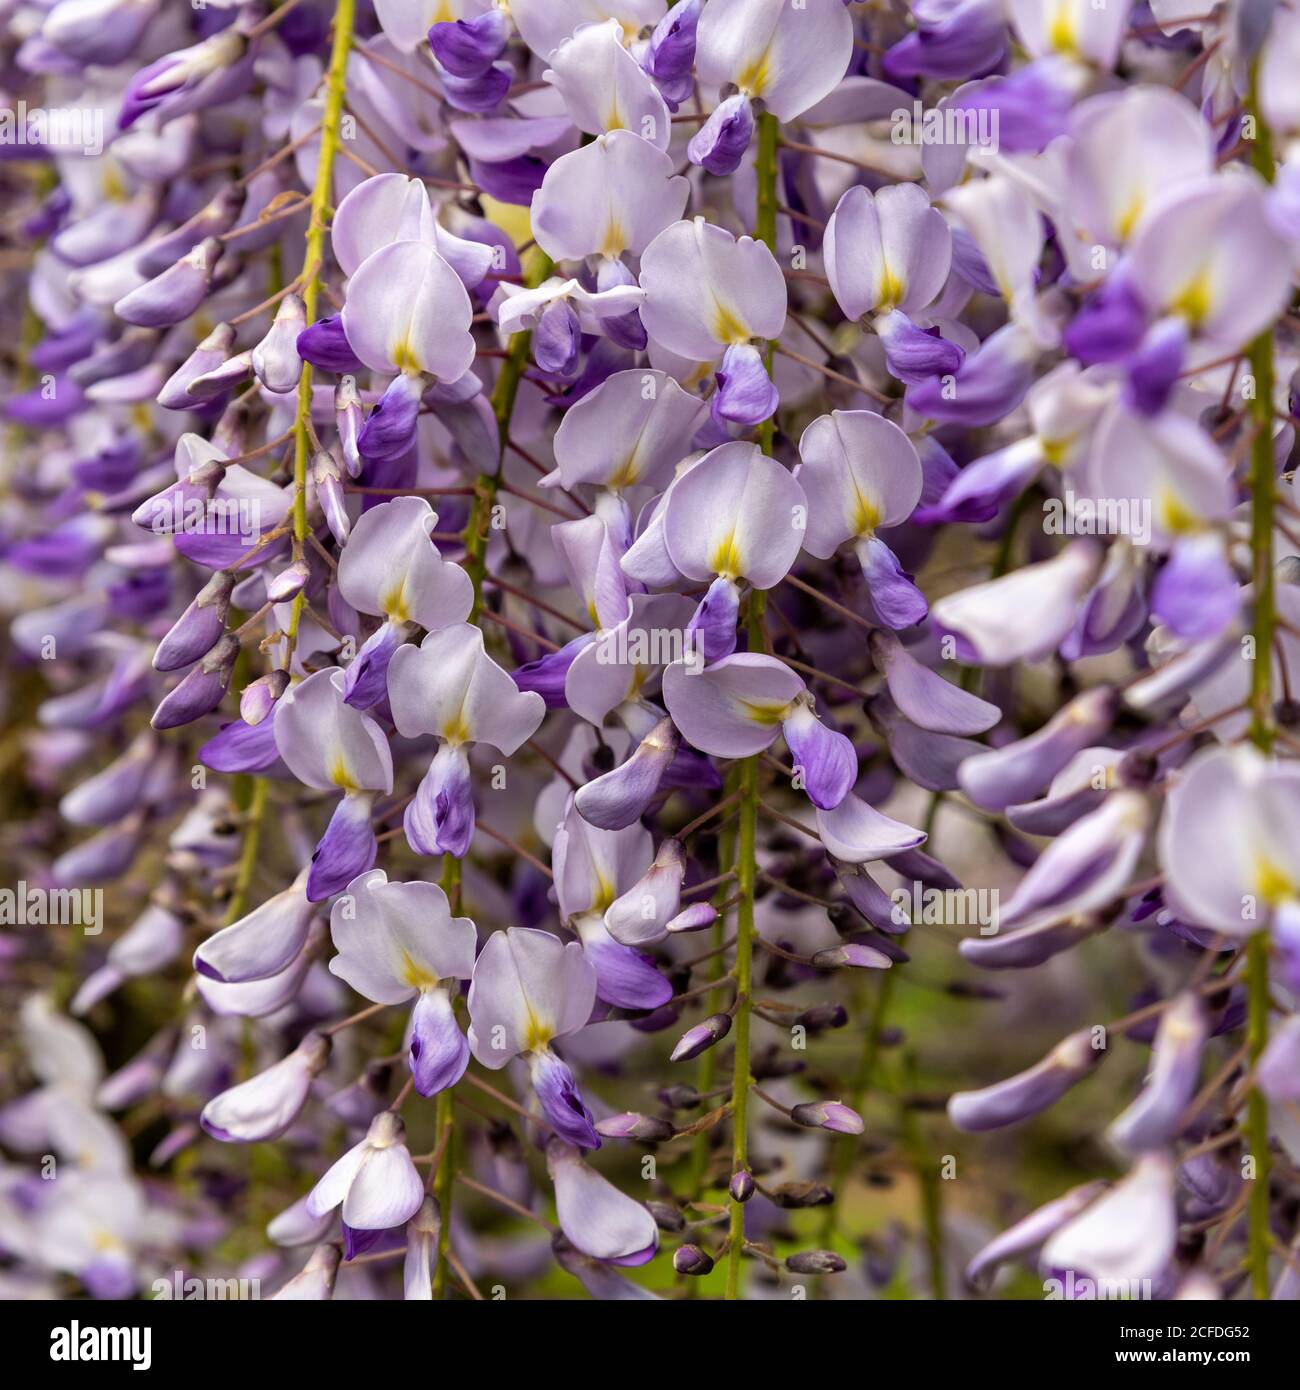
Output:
x,y
254,813
707,1067
313,255
769,133
747,838
445,1121
1263,487
445,1114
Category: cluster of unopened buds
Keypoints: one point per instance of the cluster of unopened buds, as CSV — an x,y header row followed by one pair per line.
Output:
x,y
617,614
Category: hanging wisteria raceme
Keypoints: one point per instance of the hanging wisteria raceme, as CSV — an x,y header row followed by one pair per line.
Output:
x,y
651,649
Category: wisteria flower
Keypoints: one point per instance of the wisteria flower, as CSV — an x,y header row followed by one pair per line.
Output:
x,y
396,941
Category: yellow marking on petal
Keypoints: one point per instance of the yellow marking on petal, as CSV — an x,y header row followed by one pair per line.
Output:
x,y
536,1035
113,187
866,515
615,240
1175,517
403,357
1273,885
767,713
339,774
1129,218
604,895
1061,33
890,291
392,602
625,475
727,328
106,1240
726,559
1055,450
416,975
754,78
456,730
1195,300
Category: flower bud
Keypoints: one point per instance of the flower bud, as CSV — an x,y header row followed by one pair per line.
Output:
x,y
694,918
202,689
667,1216
720,143
823,1016
206,357
640,916
266,1105
283,586
187,73
327,479
828,1114
852,954
176,293
199,628
275,359
795,1196
630,1125
816,1262
680,1097
702,1037
225,376
742,1186
1030,1091
1154,1117
348,419
690,1259
1018,771
618,799
116,789
258,699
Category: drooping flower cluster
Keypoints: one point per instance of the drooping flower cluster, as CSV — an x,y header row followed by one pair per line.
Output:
x,y
579,575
